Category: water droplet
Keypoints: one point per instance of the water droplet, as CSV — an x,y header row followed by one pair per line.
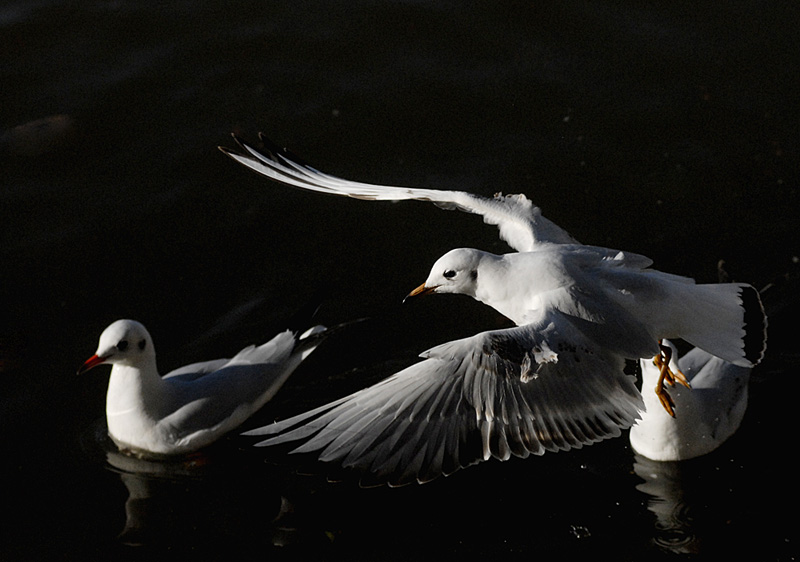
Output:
x,y
580,532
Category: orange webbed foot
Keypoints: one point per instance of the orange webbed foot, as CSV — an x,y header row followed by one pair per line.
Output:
x,y
669,376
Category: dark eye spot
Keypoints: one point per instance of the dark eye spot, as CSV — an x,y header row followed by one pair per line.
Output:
x,y
449,274
142,345
122,345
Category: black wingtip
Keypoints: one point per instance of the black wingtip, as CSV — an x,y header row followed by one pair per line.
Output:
x,y
281,152
227,151
267,149
240,142
269,144
304,318
755,325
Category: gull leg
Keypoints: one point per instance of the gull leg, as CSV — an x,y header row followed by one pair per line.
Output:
x,y
667,375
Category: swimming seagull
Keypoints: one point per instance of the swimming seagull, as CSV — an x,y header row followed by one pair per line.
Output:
x,y
556,381
193,406
709,413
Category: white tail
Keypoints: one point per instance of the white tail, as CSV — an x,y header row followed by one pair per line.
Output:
x,y
726,320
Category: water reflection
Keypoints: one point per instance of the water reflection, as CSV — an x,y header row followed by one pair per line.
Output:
x,y
694,502
202,499
698,501
663,483
158,492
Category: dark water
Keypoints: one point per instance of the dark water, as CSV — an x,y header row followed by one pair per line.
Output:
x,y
670,129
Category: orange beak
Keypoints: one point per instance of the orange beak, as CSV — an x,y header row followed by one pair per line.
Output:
x,y
91,363
421,290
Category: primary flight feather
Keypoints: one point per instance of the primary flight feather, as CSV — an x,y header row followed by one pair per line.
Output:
x,y
556,381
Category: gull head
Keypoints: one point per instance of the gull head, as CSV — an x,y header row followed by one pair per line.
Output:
x,y
454,272
124,342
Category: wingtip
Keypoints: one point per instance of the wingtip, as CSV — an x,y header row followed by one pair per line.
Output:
x,y
232,152
262,137
240,142
268,152
280,151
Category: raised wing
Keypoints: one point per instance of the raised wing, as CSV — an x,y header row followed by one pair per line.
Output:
x,y
520,222
515,392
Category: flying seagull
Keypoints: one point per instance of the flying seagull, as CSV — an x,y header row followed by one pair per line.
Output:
x,y
555,381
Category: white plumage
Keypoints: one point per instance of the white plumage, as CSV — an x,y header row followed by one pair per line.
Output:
x,y
707,415
193,406
554,382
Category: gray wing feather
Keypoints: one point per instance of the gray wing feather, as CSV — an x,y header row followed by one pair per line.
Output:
x,y
515,392
205,394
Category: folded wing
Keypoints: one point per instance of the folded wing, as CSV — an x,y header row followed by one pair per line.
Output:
x,y
220,394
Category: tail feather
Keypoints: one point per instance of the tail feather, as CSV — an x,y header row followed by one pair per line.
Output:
x,y
730,322
755,325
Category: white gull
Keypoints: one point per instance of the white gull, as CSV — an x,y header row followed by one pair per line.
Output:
x,y
556,381
708,414
192,406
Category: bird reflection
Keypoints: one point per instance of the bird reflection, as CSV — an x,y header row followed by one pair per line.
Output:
x,y
663,482
695,501
154,495
188,501
697,504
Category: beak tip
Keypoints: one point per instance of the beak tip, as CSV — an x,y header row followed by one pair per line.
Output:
x,y
421,290
91,363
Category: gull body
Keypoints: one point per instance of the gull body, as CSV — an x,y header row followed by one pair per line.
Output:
x,y
554,382
708,414
621,303
193,406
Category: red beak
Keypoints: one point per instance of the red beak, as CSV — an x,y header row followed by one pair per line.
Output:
x,y
91,363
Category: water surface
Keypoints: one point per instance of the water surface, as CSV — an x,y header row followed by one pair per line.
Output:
x,y
668,129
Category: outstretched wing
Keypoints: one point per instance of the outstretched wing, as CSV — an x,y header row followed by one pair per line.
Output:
x,y
515,392
520,222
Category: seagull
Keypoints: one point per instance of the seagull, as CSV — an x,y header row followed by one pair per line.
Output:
x,y
192,406
709,413
555,381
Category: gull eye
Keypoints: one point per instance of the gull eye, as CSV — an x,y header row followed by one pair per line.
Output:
x,y
122,345
142,345
449,274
